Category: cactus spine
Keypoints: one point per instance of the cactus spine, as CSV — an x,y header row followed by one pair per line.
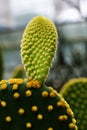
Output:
x,y
75,93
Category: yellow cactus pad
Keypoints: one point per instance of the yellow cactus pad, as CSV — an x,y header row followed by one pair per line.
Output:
x,y
38,47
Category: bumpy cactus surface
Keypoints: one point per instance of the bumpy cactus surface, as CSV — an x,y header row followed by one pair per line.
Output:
x,y
38,47
28,104
75,93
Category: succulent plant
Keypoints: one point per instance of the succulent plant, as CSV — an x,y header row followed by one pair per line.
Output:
x,y
25,104
28,104
75,93
38,47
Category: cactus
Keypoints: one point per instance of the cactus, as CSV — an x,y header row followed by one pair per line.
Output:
x,y
38,47
75,93
25,104
28,104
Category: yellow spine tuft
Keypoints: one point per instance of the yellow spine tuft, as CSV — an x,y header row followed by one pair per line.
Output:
x,y
39,116
21,111
28,93
16,95
8,119
34,108
28,125
15,87
4,86
3,103
50,107
63,117
44,94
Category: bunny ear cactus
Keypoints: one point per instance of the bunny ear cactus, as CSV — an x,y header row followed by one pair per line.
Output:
x,y
28,104
75,93
38,47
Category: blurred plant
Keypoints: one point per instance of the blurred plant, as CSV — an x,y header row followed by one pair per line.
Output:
x,y
77,58
18,72
1,64
75,93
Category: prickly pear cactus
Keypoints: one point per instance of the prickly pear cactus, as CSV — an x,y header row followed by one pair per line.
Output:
x,y
28,104
75,93
38,47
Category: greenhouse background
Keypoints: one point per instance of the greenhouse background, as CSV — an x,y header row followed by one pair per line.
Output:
x,y
70,18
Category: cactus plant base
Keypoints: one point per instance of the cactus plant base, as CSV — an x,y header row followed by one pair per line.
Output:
x,y
27,105
75,93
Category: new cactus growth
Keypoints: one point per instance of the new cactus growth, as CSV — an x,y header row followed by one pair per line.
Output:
x,y
38,47
75,93
28,104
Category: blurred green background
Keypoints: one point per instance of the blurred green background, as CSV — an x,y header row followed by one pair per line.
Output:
x,y
70,18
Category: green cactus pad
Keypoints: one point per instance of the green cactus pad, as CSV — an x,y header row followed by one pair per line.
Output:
x,y
38,47
75,93
27,105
